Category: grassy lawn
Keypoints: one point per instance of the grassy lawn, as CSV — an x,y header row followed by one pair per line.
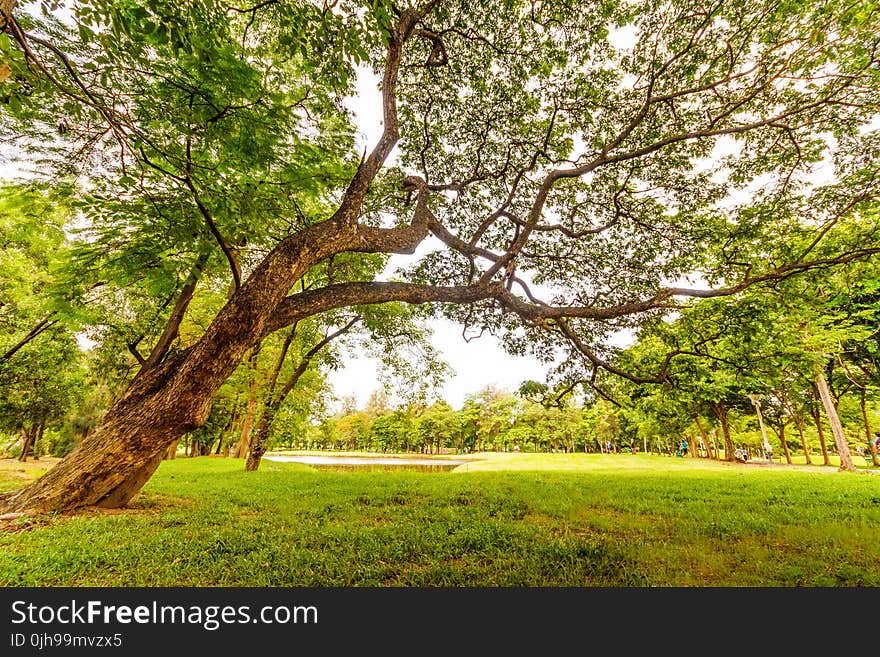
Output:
x,y
507,520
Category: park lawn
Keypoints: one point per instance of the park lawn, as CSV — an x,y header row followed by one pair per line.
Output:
x,y
545,520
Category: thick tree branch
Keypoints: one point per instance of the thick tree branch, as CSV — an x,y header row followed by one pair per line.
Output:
x,y
352,201
279,362
343,295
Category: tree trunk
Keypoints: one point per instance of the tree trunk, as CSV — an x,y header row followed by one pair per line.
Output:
x,y
27,439
234,432
38,440
846,462
872,446
247,427
257,446
115,461
705,438
250,413
30,439
784,442
721,414
259,440
766,445
817,419
6,9
171,452
793,413
800,427
163,403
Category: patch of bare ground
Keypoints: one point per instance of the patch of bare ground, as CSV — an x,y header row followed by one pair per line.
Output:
x,y
143,504
11,468
15,523
805,468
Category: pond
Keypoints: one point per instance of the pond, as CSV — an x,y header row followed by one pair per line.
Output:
x,y
363,463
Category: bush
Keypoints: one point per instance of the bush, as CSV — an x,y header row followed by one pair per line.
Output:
x,y
58,443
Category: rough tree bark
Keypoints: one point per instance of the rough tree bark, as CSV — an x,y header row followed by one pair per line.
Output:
x,y
250,411
846,462
165,402
692,446
800,427
27,438
872,446
6,9
784,442
251,446
757,405
863,389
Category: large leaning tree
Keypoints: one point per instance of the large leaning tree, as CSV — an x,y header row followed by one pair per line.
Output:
x,y
558,170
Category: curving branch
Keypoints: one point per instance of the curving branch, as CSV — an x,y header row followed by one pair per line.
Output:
x,y
352,201
343,295
212,226
552,318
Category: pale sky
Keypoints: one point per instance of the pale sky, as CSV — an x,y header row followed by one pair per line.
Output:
x,y
478,363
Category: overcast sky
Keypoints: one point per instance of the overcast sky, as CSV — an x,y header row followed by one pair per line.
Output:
x,y
477,363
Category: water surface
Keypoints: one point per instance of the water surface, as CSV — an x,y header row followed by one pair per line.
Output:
x,y
369,462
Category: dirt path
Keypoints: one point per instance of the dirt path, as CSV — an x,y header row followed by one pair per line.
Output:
x,y
806,468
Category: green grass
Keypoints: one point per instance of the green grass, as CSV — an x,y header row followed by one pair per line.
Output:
x,y
512,520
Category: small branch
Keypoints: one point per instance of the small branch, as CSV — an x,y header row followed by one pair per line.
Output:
x,y
212,226
133,350
230,256
172,326
42,325
307,359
